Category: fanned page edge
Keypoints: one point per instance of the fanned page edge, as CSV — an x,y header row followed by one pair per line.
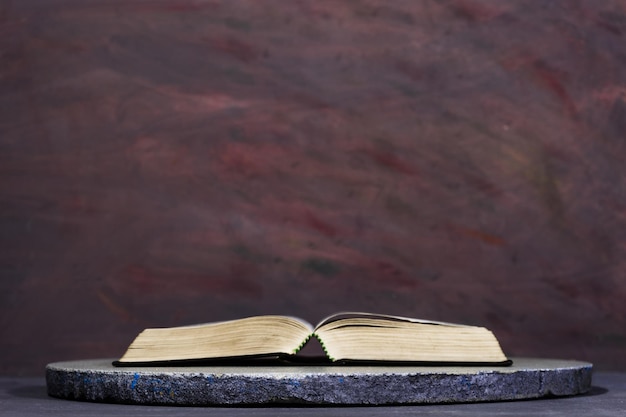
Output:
x,y
306,326
355,314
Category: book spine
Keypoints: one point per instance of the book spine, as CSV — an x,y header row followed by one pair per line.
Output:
x,y
304,342
323,347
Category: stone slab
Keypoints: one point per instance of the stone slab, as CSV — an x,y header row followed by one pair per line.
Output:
x,y
98,380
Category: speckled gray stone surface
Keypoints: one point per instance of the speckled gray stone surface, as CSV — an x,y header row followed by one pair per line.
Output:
x,y
97,380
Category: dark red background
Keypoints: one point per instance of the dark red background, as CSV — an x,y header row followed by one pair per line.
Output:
x,y
172,162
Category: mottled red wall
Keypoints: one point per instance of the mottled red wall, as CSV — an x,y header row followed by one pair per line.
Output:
x,y
179,161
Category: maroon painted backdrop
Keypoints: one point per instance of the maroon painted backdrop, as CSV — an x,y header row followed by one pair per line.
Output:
x,y
179,161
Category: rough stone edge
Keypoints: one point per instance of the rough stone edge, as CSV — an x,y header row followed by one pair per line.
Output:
x,y
206,388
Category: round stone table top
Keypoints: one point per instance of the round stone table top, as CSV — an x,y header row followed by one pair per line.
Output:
x,y
98,380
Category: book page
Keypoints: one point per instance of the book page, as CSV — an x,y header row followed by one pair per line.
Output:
x,y
352,315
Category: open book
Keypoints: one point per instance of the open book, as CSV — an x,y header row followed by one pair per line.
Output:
x,y
345,337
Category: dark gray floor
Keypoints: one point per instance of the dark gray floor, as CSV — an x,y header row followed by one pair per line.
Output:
x,y
23,397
